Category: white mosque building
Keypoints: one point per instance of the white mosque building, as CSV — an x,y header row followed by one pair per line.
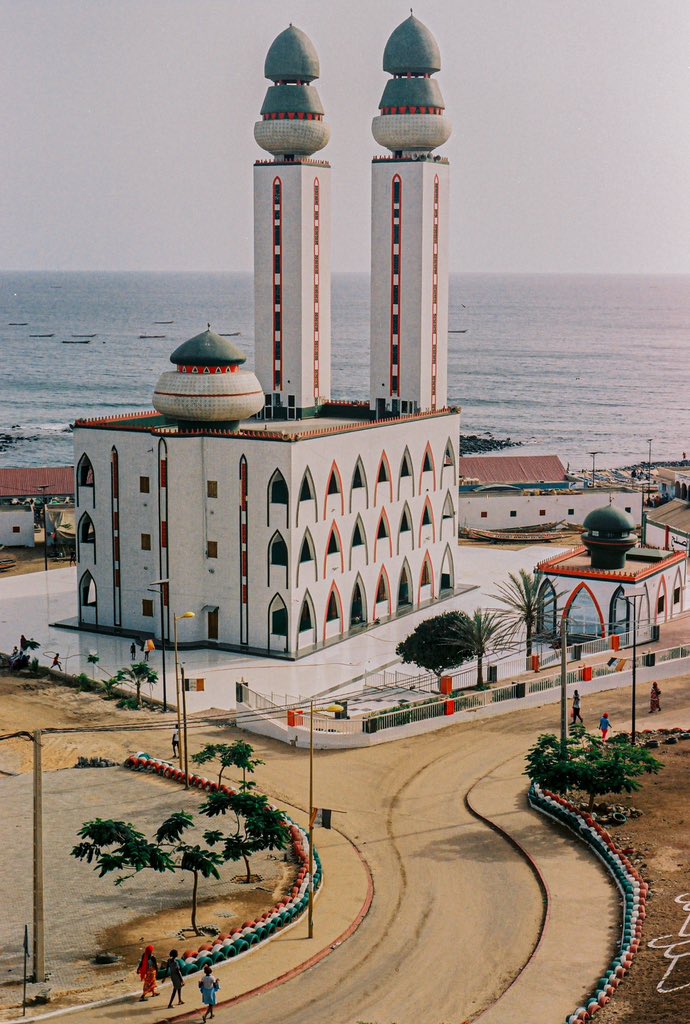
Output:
x,y
284,519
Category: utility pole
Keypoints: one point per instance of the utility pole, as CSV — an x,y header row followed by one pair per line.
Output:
x,y
310,917
564,687
594,460
39,921
649,472
43,488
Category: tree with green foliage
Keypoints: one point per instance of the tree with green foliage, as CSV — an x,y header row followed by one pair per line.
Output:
x,y
118,846
430,645
589,764
477,635
520,595
257,826
136,675
230,755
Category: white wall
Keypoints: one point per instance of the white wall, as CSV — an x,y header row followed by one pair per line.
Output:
x,y
17,526
556,506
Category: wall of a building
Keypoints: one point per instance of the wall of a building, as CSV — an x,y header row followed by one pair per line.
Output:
x,y
484,510
17,527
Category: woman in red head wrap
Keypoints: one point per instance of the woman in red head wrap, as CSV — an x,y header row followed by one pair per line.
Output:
x,y
148,971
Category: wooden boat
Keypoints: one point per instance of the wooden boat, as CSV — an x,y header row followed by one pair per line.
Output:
x,y
529,534
232,334
463,331
161,323
84,335
152,336
18,324
76,341
41,335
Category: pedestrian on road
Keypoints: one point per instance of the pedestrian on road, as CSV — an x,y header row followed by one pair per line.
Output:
x,y
133,651
146,653
605,726
148,972
576,708
175,975
654,699
208,986
72,557
56,662
176,741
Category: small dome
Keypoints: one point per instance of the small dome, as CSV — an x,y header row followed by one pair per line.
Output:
x,y
411,49
208,349
412,92
292,57
292,99
609,521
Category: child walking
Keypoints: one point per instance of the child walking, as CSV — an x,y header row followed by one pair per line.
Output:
x,y
208,986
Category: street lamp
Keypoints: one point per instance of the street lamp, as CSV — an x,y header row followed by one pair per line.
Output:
x,y
649,471
43,488
632,598
594,459
183,765
162,586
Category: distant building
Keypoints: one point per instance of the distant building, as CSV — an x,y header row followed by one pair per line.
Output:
x,y
283,519
668,525
596,586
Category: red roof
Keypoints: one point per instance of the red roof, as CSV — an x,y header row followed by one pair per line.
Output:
x,y
24,483
512,469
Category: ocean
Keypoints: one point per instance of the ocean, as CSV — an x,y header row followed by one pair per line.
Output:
x,y
563,364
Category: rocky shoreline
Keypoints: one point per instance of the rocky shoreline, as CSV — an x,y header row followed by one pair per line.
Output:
x,y
473,444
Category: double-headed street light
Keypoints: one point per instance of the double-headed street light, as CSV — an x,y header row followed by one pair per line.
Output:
x,y
181,703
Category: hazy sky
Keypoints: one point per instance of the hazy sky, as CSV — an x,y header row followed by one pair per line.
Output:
x,y
127,129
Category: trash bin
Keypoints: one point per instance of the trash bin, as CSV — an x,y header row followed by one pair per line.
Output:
x,y
649,659
520,689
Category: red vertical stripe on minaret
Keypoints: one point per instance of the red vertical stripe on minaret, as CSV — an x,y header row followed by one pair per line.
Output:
x,y
396,286
278,354
434,297
317,211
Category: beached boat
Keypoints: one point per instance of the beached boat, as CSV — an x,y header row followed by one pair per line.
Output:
x,y
17,323
84,335
76,341
526,535
232,334
152,336
161,323
41,335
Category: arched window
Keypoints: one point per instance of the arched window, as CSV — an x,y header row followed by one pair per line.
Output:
x,y
306,615
428,466
406,476
333,607
86,534
277,557
678,593
359,488
383,477
383,533
447,581
383,594
333,623
277,624
547,610
584,618
358,605
88,600
426,580
405,536
405,587
619,613
677,488
334,501
307,493
307,556
334,549
278,496
85,478
448,467
427,526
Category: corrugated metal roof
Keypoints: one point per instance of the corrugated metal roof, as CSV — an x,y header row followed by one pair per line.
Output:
x,y
24,483
512,469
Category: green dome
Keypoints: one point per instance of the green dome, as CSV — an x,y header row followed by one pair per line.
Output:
x,y
292,99
412,92
292,57
411,49
609,521
208,349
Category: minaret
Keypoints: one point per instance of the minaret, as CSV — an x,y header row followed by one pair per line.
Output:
x,y
292,235
409,236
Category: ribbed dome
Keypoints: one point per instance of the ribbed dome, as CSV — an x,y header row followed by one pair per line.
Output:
x,y
412,92
292,58
411,49
208,349
609,521
292,99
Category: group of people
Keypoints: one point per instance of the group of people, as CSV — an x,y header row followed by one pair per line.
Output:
x,y
19,658
605,722
148,972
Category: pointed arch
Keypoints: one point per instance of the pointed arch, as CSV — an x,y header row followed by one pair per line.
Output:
x,y
405,592
334,489
547,609
305,495
85,478
427,521
406,476
277,557
88,600
383,532
306,623
426,588
447,579
86,535
358,543
278,623
277,496
306,559
405,531
382,594
359,486
358,604
449,467
334,546
677,604
619,613
333,617
661,607
383,476
428,466
584,608
448,515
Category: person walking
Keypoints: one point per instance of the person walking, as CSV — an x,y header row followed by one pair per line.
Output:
x,y
576,708
176,979
56,662
23,642
208,986
133,651
176,742
654,699
148,972
605,726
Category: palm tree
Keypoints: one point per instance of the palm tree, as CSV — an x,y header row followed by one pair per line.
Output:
x,y
479,633
520,595
137,674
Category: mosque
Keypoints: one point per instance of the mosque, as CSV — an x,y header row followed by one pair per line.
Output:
x,y
283,518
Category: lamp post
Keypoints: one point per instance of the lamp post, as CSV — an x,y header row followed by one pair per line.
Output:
x,y
162,586
632,599
184,764
649,471
594,460
43,488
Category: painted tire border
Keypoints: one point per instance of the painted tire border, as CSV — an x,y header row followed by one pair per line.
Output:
x,y
251,934
629,881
